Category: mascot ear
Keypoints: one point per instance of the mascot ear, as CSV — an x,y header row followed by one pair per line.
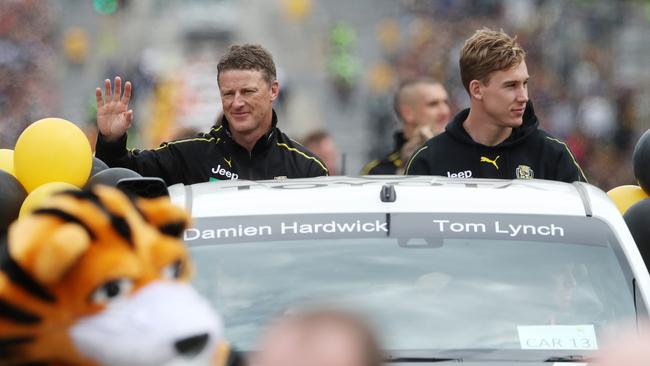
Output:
x,y
47,259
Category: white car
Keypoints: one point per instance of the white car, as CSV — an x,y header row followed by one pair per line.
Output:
x,y
485,272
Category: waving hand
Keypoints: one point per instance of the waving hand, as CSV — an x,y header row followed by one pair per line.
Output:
x,y
113,114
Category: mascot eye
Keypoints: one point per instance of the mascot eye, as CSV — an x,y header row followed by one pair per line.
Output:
x,y
173,271
111,290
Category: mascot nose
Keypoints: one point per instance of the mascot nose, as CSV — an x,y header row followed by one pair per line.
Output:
x,y
192,346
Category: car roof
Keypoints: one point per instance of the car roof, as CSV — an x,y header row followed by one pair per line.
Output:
x,y
411,194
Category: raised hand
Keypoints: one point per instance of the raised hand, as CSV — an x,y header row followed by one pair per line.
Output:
x,y
113,114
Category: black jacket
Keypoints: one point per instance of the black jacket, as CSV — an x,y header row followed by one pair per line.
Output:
x,y
527,153
391,163
216,156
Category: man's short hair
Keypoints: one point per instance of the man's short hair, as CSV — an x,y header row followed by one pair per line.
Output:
x,y
248,57
398,99
487,51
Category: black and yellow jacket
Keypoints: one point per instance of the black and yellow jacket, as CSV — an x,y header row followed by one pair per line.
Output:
x,y
527,153
216,156
391,163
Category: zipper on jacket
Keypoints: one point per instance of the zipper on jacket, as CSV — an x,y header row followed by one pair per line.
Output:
x,y
250,165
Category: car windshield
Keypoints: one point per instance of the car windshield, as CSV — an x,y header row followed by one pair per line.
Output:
x,y
443,282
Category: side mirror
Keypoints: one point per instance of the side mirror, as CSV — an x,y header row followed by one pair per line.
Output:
x,y
147,187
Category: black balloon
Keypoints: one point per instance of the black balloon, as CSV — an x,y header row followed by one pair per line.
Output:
x,y
98,166
641,159
12,195
110,177
637,218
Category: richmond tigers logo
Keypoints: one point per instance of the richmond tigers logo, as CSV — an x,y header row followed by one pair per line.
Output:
x,y
94,278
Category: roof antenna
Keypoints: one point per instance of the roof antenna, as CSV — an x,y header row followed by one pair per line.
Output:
x,y
387,193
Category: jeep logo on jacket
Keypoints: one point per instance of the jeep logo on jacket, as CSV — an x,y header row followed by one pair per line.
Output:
x,y
527,153
216,156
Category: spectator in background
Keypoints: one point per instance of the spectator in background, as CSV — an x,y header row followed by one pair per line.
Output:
x,y
498,136
319,338
422,106
320,142
247,144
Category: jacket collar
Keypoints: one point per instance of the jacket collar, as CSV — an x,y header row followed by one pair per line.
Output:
x,y
399,140
262,144
519,135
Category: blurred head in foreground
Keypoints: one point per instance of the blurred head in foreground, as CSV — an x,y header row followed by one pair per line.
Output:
x,y
627,348
318,338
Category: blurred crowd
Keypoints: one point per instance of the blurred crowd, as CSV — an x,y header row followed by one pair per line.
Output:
x,y
587,83
584,87
27,60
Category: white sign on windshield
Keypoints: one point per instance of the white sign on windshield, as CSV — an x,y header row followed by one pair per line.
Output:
x,y
554,337
217,230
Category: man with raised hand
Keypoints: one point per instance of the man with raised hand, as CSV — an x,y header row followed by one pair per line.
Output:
x,y
246,144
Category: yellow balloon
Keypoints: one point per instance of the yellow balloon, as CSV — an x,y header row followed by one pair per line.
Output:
x,y
52,150
40,195
626,196
7,161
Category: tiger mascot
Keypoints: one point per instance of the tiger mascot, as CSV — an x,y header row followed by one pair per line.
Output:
x,y
99,278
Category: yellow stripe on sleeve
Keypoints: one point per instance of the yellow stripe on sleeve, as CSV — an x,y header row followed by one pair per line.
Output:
x,y
408,167
186,140
366,169
303,154
571,155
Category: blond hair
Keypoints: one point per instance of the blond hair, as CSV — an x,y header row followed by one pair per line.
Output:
x,y
487,51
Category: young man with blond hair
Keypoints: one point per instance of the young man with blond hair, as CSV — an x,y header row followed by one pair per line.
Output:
x,y
498,136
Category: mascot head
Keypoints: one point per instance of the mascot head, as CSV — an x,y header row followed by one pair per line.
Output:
x,y
98,278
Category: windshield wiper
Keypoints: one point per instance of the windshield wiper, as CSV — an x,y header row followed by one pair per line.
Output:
x,y
421,359
569,358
